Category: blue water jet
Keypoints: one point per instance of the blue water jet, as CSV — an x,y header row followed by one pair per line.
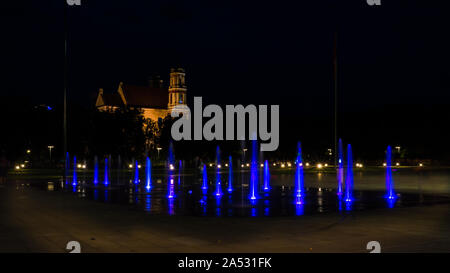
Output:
x,y
170,186
299,177
204,178
148,174
74,177
349,176
95,170
340,170
266,176
180,167
230,174
390,194
254,172
136,172
171,158
106,174
218,191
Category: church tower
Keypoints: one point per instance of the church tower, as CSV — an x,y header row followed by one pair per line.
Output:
x,y
177,88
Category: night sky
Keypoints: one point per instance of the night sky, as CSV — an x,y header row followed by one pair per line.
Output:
x,y
238,52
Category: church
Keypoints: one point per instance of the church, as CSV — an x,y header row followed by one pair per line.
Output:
x,y
155,101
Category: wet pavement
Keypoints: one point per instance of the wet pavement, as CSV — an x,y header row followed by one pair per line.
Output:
x,y
42,216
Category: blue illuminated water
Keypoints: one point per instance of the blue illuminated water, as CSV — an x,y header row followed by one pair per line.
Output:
x,y
218,191
254,172
204,178
171,187
390,194
230,174
340,169
95,170
349,176
299,177
136,172
148,174
74,177
106,174
266,176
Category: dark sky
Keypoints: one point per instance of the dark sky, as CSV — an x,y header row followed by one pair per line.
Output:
x,y
261,52
393,56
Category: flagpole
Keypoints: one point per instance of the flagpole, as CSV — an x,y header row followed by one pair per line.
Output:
x,y
66,14
335,96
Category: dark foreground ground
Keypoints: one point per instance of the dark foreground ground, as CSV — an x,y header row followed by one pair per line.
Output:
x,y
39,221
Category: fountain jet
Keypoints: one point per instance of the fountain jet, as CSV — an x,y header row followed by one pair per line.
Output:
x,y
218,177
106,174
340,170
74,177
204,178
254,172
148,173
266,176
390,194
349,177
230,174
299,178
95,170
136,172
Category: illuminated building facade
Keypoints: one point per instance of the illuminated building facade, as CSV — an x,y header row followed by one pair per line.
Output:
x,y
155,101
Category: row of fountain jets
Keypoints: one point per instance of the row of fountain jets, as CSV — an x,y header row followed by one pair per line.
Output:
x,y
344,175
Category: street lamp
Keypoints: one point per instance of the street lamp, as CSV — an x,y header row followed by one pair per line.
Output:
x,y
50,147
159,149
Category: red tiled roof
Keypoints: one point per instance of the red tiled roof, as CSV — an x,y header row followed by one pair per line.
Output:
x,y
146,97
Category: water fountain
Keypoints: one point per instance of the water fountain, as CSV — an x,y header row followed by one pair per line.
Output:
x,y
171,158
204,178
74,177
170,181
170,187
230,174
136,172
340,170
218,191
349,176
254,172
180,167
148,173
95,170
299,178
106,174
266,176
390,194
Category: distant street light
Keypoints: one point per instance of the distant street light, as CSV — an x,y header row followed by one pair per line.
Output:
x,y
50,151
159,149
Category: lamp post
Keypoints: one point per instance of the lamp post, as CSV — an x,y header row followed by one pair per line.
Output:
x,y
69,3
158,149
244,150
50,147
